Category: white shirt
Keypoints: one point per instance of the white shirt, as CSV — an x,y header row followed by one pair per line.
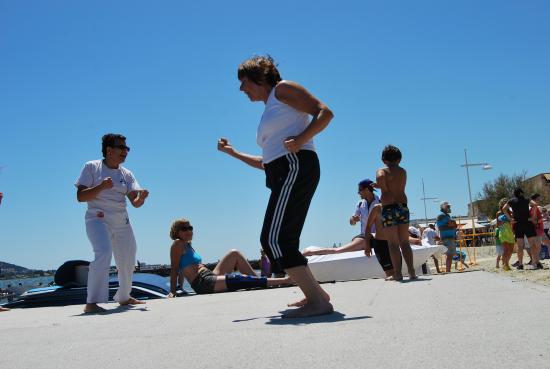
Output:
x,y
363,210
429,235
280,121
112,199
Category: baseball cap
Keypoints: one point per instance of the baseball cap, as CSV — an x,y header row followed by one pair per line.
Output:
x,y
366,183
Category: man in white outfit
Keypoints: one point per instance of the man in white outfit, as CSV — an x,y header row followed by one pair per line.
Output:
x,y
104,185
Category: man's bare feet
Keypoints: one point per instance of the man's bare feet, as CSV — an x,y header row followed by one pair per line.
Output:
x,y
131,301
309,310
4,309
93,309
303,301
413,277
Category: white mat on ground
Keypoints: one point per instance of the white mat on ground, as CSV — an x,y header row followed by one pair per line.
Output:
x,y
355,265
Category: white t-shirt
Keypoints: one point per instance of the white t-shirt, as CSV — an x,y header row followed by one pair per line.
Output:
x,y
363,210
112,199
280,121
429,235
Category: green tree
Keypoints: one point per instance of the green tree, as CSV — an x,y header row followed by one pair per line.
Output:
x,y
502,187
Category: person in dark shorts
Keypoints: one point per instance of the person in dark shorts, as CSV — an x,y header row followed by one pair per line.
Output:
x,y
392,180
187,263
517,210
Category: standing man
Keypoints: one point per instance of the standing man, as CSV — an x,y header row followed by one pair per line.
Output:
x,y
517,210
447,233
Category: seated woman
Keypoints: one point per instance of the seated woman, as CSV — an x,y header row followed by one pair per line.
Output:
x,y
187,263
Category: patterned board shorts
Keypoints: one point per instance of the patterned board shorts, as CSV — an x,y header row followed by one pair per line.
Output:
x,y
395,214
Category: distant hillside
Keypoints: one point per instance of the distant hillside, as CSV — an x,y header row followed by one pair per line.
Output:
x,y
7,267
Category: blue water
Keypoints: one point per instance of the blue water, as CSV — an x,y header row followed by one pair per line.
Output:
x,y
26,283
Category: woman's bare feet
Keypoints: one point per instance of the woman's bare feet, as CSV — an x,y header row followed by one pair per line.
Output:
x,y
93,309
131,301
303,301
309,310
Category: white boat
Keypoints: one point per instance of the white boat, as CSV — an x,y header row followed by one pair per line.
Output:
x,y
349,266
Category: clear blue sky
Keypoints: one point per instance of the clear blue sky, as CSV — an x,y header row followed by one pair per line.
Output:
x,y
432,77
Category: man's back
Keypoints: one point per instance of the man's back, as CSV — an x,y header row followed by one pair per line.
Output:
x,y
392,181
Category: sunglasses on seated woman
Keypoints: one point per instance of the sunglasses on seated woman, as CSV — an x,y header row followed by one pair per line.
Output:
x,y
186,228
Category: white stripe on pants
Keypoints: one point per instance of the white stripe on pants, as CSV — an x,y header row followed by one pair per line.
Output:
x,y
110,235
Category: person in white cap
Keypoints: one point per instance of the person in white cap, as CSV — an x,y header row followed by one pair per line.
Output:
x,y
447,232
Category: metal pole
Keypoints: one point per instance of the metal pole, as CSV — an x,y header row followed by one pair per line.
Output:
x,y
424,198
471,205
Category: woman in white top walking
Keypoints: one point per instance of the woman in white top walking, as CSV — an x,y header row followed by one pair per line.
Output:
x,y
104,185
292,170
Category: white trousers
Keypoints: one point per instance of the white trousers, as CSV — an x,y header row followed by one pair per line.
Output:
x,y
110,234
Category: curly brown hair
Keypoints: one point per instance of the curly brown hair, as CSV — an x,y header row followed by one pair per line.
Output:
x,y
260,69
176,227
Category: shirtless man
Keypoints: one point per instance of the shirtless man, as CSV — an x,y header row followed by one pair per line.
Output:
x,y
395,213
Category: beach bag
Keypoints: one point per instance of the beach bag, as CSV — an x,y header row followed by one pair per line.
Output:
x,y
506,234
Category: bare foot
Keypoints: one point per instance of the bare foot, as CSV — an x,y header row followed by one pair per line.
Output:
x,y
93,309
303,301
131,301
389,278
413,277
398,277
309,310
4,309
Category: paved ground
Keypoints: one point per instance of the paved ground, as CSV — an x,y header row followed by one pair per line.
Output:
x,y
472,319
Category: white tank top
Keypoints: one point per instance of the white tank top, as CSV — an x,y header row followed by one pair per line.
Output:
x,y
278,122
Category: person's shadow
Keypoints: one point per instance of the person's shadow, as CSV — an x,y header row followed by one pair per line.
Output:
x,y
279,320
119,309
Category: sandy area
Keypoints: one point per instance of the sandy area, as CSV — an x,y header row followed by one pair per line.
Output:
x,y
486,261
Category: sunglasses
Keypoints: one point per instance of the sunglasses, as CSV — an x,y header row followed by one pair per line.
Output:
x,y
186,228
122,147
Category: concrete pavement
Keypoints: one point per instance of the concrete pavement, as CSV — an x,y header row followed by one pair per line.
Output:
x,y
470,319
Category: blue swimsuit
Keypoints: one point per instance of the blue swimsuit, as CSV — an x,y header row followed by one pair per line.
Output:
x,y
190,257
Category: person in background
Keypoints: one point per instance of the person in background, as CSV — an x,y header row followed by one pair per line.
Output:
x,y
517,211
546,226
265,265
392,180
362,211
430,237
292,117
538,221
504,235
186,262
447,232
104,185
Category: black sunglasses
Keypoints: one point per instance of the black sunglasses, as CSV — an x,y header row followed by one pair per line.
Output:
x,y
122,147
186,228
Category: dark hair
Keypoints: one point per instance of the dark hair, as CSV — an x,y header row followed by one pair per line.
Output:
x,y
518,192
535,196
109,140
391,154
260,69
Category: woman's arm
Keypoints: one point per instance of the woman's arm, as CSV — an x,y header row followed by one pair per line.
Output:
x,y
175,255
301,99
254,161
137,198
84,193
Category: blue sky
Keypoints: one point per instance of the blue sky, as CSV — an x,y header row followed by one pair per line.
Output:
x,y
432,77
